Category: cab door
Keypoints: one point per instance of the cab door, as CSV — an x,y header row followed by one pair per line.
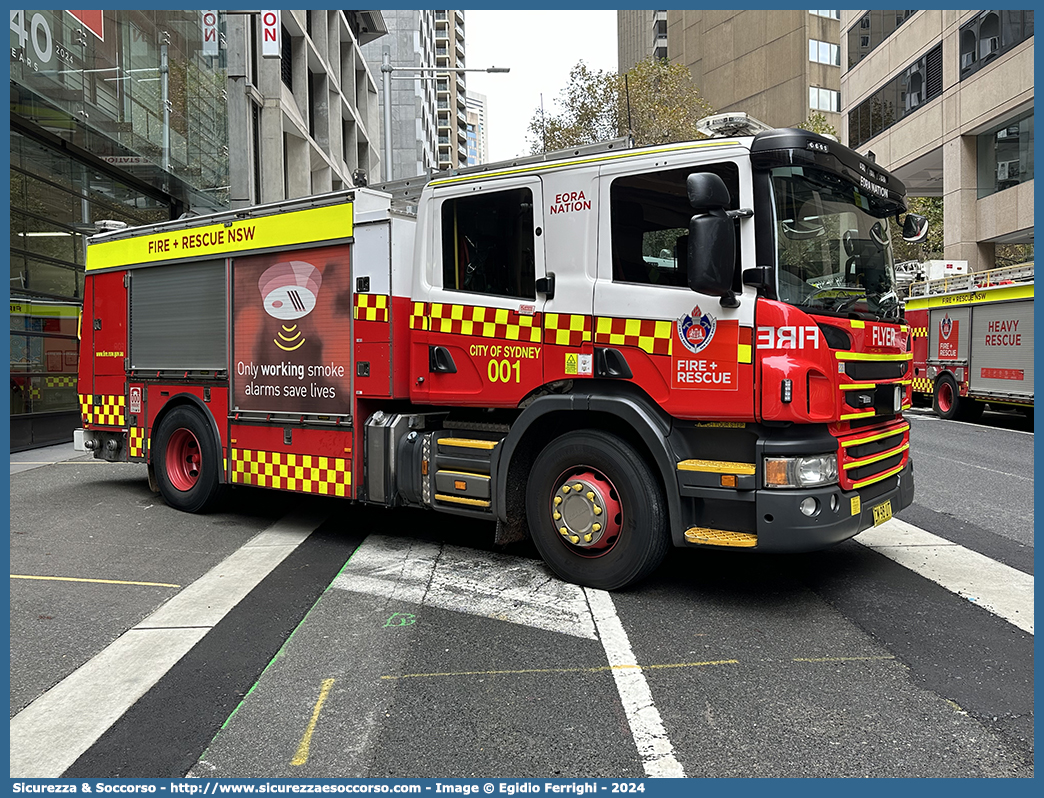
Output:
x,y
483,309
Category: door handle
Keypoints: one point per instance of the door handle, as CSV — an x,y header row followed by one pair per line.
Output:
x,y
546,285
440,360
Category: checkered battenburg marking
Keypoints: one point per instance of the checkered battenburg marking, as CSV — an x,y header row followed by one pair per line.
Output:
x,y
650,335
566,329
500,323
110,413
136,443
371,307
304,473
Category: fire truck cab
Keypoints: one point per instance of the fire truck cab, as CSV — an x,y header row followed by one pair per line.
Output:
x,y
611,350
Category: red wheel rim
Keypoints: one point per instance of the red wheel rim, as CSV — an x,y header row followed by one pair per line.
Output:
x,y
586,512
183,461
945,397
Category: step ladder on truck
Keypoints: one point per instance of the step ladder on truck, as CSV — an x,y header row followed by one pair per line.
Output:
x,y
611,350
973,341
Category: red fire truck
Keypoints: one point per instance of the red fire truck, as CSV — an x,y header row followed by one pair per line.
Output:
x,y
973,341
610,350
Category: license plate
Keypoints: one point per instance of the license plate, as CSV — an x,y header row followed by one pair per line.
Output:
x,y
882,513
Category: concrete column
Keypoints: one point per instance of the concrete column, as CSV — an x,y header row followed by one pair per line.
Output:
x,y
960,224
240,141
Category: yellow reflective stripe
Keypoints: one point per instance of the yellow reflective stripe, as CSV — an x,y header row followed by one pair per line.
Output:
x,y
461,500
863,414
743,353
859,386
716,467
876,457
878,477
466,443
578,162
877,437
867,356
306,226
988,294
857,324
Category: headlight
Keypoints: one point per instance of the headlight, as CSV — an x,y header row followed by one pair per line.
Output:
x,y
800,472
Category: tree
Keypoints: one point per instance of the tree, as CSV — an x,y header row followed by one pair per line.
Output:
x,y
817,123
655,102
932,247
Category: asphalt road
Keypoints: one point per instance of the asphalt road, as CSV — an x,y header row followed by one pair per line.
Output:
x,y
400,644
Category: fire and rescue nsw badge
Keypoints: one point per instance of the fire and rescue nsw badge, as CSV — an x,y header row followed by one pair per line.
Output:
x,y
948,338
707,358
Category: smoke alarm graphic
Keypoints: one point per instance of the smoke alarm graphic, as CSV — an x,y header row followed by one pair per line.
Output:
x,y
289,289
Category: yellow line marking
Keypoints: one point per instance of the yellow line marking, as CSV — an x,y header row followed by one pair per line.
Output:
x,y
716,466
302,749
598,669
97,581
840,659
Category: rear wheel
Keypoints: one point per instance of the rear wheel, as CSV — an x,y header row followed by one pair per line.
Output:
x,y
187,458
596,512
947,398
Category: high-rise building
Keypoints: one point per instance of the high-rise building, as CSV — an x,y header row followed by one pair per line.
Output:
x,y
778,66
306,120
478,131
944,99
428,108
640,35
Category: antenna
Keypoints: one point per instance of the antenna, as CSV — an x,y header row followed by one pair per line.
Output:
x,y
627,98
543,121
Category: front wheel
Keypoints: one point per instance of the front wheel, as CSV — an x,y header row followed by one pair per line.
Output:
x,y
186,457
597,513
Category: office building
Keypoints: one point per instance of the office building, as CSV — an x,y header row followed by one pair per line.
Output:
x,y
478,130
305,120
428,108
945,100
640,35
778,66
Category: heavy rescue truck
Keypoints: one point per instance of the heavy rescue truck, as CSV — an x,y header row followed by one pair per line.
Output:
x,y
973,341
613,351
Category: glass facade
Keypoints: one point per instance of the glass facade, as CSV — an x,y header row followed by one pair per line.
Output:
x,y
1005,155
914,87
117,115
872,29
990,35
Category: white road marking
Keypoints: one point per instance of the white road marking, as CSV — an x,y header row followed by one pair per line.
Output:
x,y
518,591
929,415
972,465
466,580
51,733
654,747
1001,589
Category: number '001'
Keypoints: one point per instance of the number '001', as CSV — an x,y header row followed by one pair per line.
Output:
x,y
500,371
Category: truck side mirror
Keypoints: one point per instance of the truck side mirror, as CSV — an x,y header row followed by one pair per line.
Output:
x,y
712,239
915,228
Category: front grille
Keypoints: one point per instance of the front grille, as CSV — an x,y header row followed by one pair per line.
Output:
x,y
863,472
875,447
871,421
860,370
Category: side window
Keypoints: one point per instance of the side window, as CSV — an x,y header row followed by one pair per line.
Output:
x,y
650,223
487,243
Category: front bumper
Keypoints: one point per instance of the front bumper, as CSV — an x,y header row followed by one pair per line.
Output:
x,y
782,527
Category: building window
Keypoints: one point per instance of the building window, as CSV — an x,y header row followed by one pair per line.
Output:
x,y
488,244
915,86
824,53
286,61
1005,155
872,29
824,99
827,14
991,34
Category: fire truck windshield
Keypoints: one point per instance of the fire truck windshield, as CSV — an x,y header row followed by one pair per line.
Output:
x,y
833,249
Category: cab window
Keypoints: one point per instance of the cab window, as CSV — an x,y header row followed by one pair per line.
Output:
x,y
488,243
650,223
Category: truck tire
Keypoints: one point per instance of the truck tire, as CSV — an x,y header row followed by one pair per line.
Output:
x,y
187,458
597,514
946,401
